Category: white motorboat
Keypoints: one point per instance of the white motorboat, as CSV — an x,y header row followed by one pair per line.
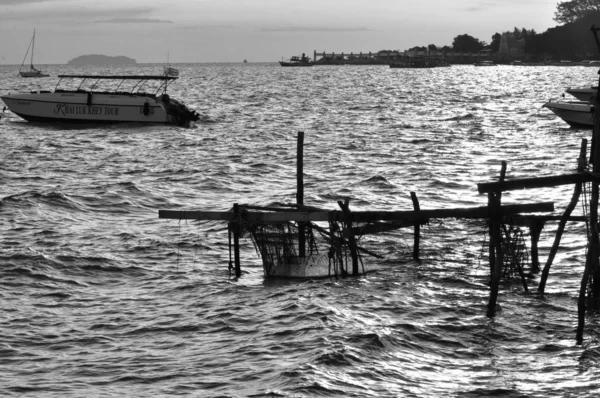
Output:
x,y
96,105
583,93
32,72
578,114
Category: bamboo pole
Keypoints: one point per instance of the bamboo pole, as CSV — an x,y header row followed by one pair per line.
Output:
x,y
561,225
417,237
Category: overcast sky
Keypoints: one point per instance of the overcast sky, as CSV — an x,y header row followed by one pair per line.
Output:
x,y
256,30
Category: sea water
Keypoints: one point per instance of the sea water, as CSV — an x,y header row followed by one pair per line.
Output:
x,y
100,297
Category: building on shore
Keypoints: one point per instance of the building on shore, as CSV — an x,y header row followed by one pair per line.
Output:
x,y
511,48
387,57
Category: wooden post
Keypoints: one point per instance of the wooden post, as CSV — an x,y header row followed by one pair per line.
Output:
x,y
535,230
561,225
236,239
300,194
491,247
351,238
494,200
417,236
333,249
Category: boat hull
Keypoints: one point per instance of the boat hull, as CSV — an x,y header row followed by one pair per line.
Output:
x,y
583,94
295,64
576,114
33,74
85,107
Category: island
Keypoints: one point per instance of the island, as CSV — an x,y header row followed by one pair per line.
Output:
x,y
96,59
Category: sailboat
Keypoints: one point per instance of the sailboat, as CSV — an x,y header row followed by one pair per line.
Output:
x,y
32,72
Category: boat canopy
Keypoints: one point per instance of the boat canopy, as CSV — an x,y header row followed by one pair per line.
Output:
x,y
142,80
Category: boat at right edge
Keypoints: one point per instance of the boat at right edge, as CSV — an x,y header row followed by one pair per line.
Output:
x,y
578,114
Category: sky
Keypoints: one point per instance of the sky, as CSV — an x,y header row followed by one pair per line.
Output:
x,y
185,31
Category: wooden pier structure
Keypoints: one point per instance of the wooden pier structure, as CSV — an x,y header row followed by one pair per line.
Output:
x,y
286,236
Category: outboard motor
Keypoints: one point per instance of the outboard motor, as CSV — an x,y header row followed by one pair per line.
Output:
x,y
178,113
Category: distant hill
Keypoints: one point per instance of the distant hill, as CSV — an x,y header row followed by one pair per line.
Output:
x,y
96,59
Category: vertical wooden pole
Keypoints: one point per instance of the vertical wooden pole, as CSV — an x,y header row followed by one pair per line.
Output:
x,y
333,247
563,221
535,230
300,193
591,264
351,238
417,237
494,200
236,239
491,247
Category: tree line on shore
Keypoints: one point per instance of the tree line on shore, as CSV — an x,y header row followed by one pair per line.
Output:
x,y
572,40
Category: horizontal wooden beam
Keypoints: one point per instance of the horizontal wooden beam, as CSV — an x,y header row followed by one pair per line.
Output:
x,y
531,220
254,217
463,212
536,182
357,216
377,227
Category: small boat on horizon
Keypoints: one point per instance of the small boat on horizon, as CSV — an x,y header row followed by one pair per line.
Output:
x,y
99,105
32,72
297,61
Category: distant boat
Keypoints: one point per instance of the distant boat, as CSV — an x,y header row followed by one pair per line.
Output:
x,y
32,72
245,61
297,61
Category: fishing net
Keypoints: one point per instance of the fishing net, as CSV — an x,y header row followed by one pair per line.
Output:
x,y
277,244
516,256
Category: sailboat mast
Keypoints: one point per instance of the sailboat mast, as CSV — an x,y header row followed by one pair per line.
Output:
x,y
32,47
26,53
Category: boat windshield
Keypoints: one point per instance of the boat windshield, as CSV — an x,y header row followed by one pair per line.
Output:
x,y
119,83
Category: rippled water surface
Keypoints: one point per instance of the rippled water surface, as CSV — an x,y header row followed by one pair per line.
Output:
x,y
100,297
